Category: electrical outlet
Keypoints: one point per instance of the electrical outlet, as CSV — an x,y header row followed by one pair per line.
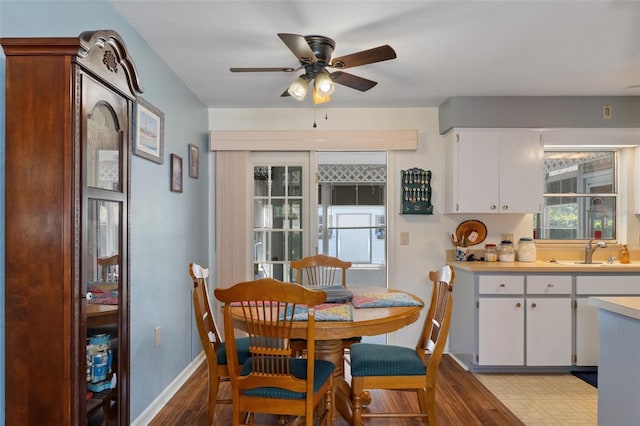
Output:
x,y
607,112
157,337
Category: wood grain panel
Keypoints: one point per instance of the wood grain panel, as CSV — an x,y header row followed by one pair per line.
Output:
x,y
38,289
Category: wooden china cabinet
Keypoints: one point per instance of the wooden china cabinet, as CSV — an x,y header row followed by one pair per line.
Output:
x,y
69,104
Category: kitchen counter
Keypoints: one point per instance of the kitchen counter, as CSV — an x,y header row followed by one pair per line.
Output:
x,y
541,310
547,266
627,306
619,367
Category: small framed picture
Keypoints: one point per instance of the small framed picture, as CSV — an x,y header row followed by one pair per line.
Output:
x,y
149,131
176,173
194,161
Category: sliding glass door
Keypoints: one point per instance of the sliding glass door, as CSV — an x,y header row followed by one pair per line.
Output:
x,y
340,212
352,212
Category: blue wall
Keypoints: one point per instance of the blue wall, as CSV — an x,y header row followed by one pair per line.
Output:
x,y
168,229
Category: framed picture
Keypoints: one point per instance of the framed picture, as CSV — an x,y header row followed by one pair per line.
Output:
x,y
176,173
194,160
149,131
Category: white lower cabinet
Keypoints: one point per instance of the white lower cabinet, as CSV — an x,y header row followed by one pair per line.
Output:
x,y
548,318
507,321
531,330
548,331
500,331
587,315
586,333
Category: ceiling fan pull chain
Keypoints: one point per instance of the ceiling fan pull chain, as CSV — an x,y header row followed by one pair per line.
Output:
x,y
314,116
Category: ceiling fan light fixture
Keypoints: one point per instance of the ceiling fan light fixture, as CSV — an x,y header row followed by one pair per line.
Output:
x,y
298,89
324,84
319,97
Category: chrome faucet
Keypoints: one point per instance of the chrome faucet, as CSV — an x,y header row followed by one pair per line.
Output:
x,y
590,248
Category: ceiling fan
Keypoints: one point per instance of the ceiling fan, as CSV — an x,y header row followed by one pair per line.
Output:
x,y
314,53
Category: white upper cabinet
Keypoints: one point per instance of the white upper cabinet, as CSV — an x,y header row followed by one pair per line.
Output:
x,y
493,171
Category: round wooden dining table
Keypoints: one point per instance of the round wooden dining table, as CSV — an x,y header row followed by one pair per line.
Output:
x,y
370,321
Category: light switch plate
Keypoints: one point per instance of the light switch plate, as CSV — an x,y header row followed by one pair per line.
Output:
x,y
157,336
404,238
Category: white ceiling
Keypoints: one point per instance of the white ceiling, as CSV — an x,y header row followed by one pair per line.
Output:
x,y
445,48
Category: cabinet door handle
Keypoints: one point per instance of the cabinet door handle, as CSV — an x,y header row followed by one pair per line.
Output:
x,y
505,207
502,285
518,305
550,285
493,207
533,305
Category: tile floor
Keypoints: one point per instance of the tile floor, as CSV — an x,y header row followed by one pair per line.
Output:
x,y
545,399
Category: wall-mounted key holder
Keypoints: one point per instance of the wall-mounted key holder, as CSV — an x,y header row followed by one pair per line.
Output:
x,y
416,191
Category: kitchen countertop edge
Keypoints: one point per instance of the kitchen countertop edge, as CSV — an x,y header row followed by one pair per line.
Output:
x,y
627,306
546,266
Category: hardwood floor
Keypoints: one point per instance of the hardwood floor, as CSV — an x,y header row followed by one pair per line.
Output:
x,y
462,400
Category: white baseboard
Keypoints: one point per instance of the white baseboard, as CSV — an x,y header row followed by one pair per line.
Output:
x,y
458,361
154,408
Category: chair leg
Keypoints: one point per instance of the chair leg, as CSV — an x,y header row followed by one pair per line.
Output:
x,y
424,406
236,417
356,399
213,396
431,406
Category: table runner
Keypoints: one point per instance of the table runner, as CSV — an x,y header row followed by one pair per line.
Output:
x,y
383,299
324,312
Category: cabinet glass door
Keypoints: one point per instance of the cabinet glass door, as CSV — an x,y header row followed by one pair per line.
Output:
x,y
103,149
104,263
103,285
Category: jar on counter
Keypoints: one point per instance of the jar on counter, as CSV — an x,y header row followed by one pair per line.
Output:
x,y
526,250
506,252
490,253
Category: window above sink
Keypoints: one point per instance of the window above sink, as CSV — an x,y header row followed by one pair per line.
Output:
x,y
580,199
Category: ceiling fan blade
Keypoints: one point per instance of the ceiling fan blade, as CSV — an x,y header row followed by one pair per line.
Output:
x,y
377,54
283,69
299,46
285,93
353,81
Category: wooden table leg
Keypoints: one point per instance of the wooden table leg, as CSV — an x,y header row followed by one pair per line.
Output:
x,y
331,350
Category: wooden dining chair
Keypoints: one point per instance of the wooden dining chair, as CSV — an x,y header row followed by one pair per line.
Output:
x,y
323,271
376,366
272,380
212,344
109,268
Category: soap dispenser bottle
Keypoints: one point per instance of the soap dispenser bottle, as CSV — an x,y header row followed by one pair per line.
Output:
x,y
624,254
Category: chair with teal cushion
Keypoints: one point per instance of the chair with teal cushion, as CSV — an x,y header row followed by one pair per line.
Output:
x,y
298,367
242,346
272,380
375,366
212,344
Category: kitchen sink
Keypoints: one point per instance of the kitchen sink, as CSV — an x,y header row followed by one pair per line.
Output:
x,y
589,265
574,263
